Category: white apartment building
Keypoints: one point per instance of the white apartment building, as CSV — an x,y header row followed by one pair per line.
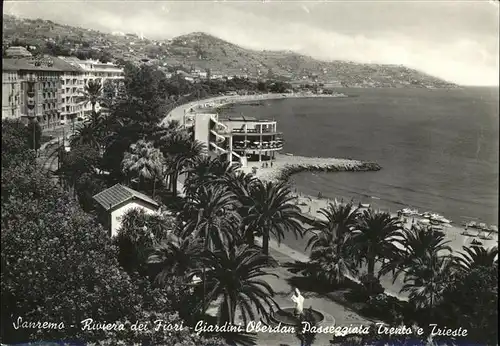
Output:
x,y
90,70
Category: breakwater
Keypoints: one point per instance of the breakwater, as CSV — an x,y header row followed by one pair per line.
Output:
x,y
286,165
287,171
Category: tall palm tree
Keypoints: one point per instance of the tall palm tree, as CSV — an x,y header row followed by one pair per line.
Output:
x,y
145,161
87,134
427,278
272,212
211,214
235,277
240,184
341,218
175,257
331,256
179,151
411,244
91,93
476,256
372,238
206,170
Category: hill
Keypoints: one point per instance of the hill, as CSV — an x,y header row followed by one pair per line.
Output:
x,y
202,51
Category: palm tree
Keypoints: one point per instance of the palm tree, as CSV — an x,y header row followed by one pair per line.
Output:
x,y
211,214
179,151
144,160
272,212
235,277
341,218
331,256
87,134
92,93
206,170
412,244
476,256
427,278
372,238
175,257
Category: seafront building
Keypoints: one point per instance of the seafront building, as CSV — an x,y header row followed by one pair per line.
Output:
x,y
241,139
49,88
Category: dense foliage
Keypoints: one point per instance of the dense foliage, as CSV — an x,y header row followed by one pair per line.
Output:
x,y
59,265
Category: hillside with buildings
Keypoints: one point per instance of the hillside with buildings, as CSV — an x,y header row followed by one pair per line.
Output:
x,y
202,52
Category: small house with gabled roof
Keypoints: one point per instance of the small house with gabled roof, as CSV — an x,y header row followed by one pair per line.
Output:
x,y
117,200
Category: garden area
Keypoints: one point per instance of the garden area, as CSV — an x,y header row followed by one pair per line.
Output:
x,y
201,251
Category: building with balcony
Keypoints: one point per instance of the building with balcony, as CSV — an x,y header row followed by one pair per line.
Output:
x,y
90,70
37,83
11,93
238,139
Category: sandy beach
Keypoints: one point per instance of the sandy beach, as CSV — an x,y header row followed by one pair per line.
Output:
x,y
220,101
311,205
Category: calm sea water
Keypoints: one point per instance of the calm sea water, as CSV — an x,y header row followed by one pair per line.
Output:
x,y
438,148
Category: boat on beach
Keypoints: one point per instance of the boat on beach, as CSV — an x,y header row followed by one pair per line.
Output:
x,y
435,218
408,212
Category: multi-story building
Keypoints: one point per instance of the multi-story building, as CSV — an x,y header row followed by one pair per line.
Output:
x,y
11,92
90,70
50,88
239,139
37,83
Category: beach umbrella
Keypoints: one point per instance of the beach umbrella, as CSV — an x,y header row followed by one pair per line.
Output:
x,y
493,228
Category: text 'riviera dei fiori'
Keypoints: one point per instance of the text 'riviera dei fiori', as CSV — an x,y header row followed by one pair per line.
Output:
x,y
252,327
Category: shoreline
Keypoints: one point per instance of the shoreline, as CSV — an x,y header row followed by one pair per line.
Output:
x,y
221,101
285,166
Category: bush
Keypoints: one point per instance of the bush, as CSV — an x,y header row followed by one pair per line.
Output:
x,y
385,307
58,265
371,284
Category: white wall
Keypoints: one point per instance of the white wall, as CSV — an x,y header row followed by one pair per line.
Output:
x,y
116,215
201,128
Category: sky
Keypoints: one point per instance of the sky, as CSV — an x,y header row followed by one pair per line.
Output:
x,y
454,40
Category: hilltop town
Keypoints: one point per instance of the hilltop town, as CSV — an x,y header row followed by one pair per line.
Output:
x,y
201,54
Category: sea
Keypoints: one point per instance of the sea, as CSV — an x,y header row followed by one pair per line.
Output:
x,y
438,148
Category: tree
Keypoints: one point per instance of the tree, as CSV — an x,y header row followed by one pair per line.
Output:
x,y
180,151
87,186
272,212
372,238
331,257
470,301
341,218
211,214
58,265
92,93
424,257
412,245
235,277
306,337
15,146
145,161
34,135
82,159
240,184
87,135
206,170
138,235
175,257
476,256
426,279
